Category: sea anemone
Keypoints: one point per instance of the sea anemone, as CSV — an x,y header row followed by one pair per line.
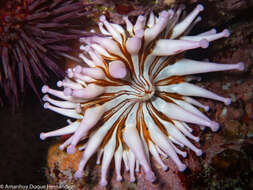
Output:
x,y
33,35
133,97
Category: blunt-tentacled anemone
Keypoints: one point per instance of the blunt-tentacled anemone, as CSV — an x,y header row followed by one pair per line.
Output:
x,y
132,99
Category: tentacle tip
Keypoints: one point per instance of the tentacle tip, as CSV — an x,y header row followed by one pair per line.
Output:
x,y
171,12
182,167
102,18
125,17
150,176
213,30
71,149
69,70
61,147
141,18
81,148
198,152
78,109
165,168
45,98
103,182
215,126
44,89
202,128
200,7
42,136
46,105
197,139
203,43
69,121
70,74
78,174
199,18
119,178
226,33
240,66
59,83
77,69
67,91
227,101
184,154
164,14
80,55
206,108
132,179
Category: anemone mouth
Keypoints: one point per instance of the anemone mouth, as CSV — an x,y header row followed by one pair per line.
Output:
x,y
145,94
148,94
132,98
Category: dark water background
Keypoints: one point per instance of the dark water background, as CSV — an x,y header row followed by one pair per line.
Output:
x,y
23,155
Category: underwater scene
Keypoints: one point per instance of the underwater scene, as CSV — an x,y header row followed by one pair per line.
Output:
x,y
125,95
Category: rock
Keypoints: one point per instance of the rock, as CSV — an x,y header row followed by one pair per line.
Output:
x,y
249,109
228,162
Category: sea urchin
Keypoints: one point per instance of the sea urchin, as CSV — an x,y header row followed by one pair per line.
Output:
x,y
134,98
33,34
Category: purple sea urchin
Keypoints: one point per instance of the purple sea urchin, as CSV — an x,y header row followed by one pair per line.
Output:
x,y
134,98
33,34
